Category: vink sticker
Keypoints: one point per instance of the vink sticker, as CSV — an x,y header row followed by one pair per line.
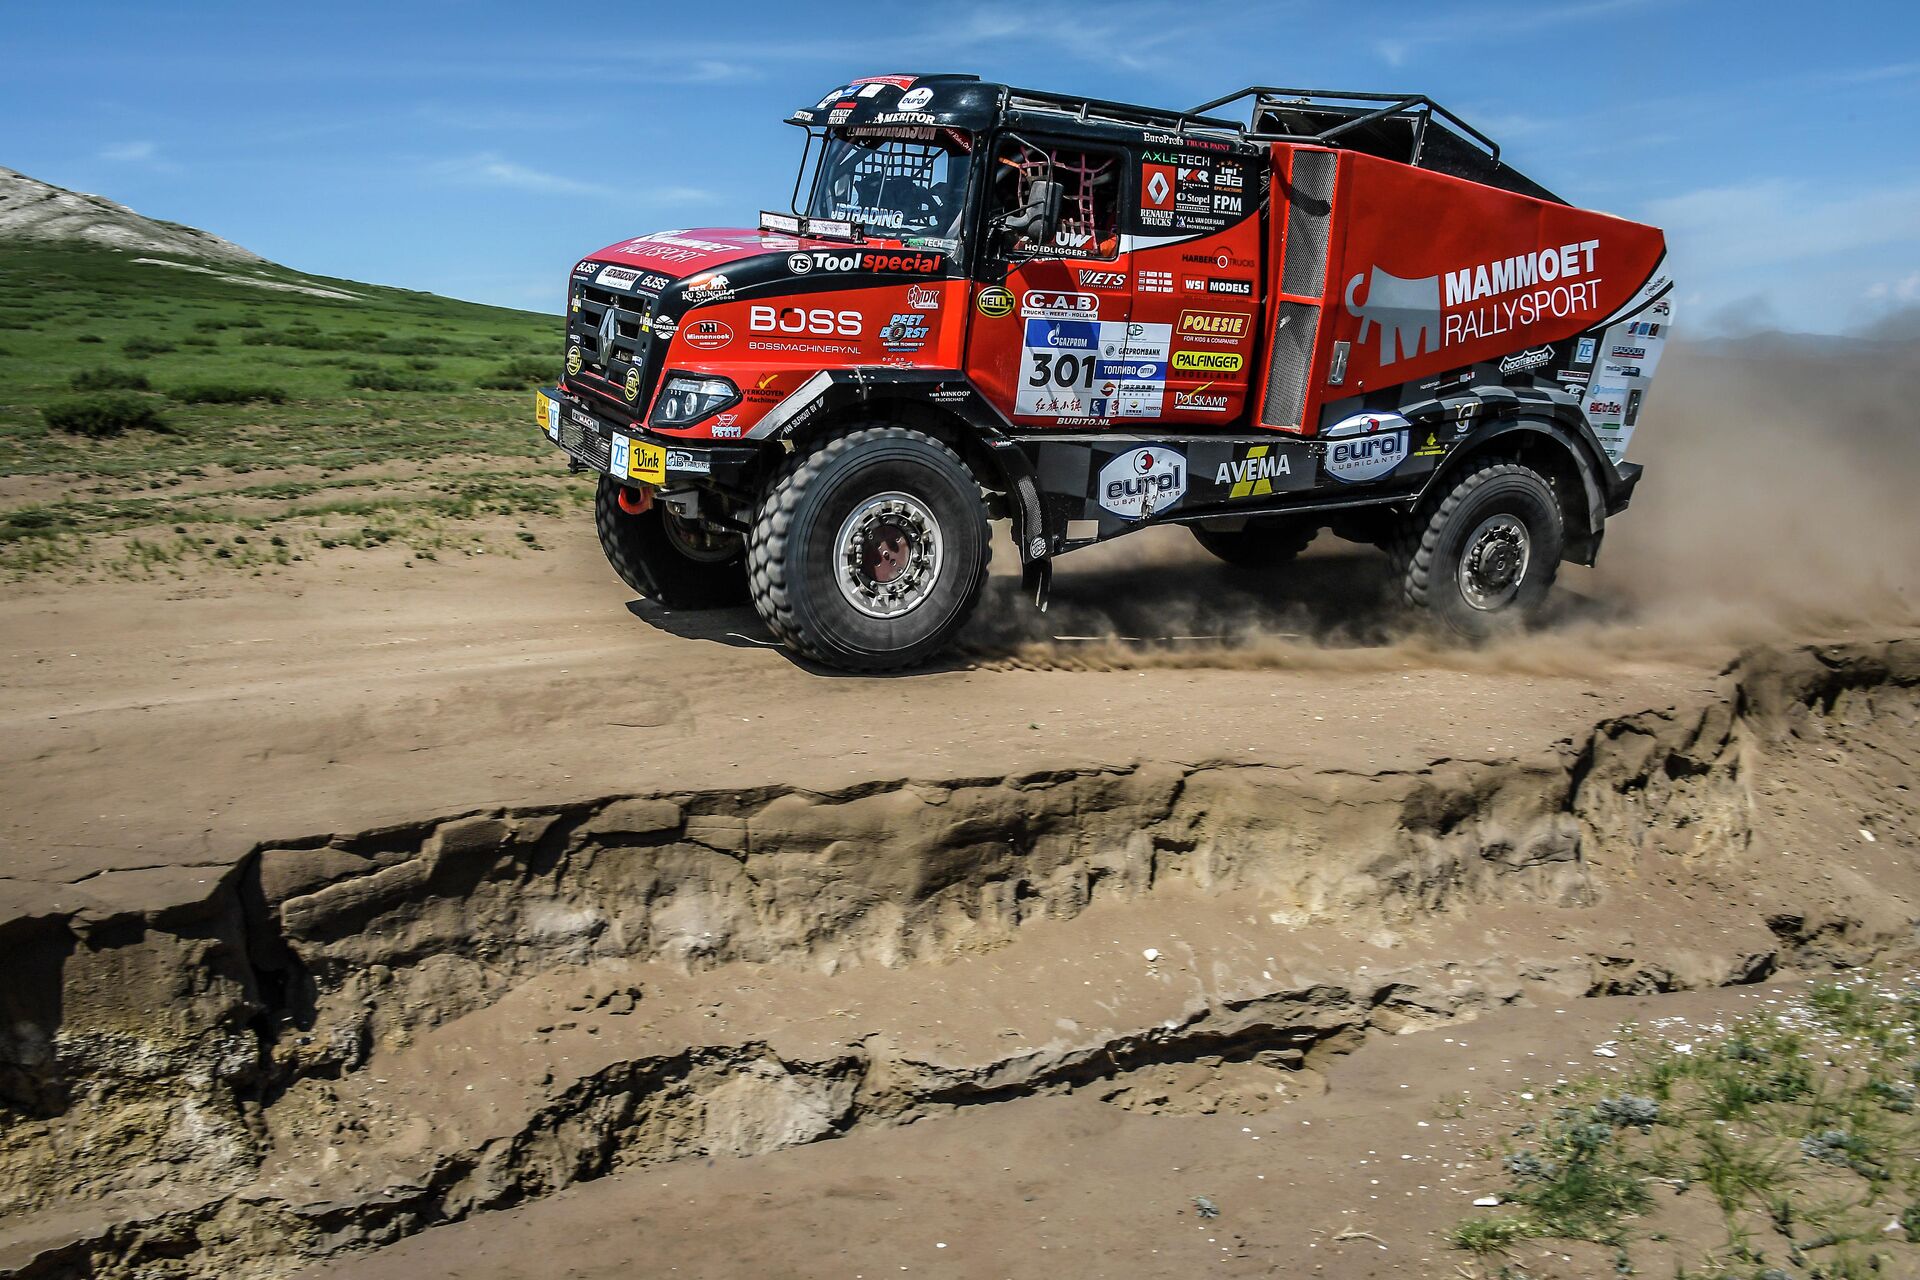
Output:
x,y
1138,483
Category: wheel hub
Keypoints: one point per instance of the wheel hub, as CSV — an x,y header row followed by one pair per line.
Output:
x,y
1495,563
889,555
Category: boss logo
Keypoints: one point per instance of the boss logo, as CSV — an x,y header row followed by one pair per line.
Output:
x,y
820,321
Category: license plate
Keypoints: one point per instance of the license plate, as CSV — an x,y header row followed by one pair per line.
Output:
x,y
546,412
637,460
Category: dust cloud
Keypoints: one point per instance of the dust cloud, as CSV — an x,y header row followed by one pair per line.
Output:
x,y
1779,504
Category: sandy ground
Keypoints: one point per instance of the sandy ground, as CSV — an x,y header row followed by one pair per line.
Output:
x,y
1358,1175
149,725
151,734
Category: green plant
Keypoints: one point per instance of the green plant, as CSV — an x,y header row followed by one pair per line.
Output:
x,y
396,380
105,379
227,393
139,347
106,415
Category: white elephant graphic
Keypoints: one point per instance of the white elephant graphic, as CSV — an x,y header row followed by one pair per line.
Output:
x,y
1407,311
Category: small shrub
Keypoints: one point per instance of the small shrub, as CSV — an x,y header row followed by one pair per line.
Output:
x,y
198,340
140,347
89,337
396,380
104,379
227,393
208,324
104,415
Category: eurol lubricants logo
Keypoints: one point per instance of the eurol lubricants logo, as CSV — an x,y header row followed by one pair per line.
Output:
x,y
1365,446
1140,482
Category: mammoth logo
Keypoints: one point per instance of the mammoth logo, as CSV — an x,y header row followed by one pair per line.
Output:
x,y
1407,311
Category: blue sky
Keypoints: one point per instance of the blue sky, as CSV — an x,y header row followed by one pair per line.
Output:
x,y
476,149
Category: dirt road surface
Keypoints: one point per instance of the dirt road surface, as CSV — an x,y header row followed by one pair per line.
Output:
x,y
151,726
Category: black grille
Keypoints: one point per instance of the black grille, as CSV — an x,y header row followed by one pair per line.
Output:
x,y
630,346
586,443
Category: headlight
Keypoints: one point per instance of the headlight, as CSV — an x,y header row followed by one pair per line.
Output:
x,y
688,399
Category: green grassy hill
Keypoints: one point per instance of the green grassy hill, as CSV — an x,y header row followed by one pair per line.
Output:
x,y
159,413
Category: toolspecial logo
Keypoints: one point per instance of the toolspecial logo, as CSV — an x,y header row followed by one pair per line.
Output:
x,y
1253,475
1208,361
1136,484
891,261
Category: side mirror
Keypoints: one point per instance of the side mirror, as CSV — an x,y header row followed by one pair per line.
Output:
x,y
1037,222
1043,213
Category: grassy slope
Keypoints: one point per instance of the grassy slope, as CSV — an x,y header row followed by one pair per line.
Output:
x,y
331,464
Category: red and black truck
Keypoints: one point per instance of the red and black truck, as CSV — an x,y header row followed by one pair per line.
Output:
x,y
1087,317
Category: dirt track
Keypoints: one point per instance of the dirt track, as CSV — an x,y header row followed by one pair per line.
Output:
x,y
284,1007
152,726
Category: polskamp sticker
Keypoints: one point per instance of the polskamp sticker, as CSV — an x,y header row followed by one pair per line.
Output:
x,y
1140,482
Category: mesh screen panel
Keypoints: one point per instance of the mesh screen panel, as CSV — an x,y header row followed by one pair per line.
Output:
x,y
1288,363
1311,192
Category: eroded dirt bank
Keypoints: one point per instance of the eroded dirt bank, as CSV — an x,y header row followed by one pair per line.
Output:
x,y
352,1038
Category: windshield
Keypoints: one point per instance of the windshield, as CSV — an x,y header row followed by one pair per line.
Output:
x,y
900,183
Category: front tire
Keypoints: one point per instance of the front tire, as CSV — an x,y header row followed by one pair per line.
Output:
x,y
869,552
1484,557
669,560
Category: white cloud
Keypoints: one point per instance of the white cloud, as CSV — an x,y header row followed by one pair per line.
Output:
x,y
489,169
1903,290
1459,26
143,153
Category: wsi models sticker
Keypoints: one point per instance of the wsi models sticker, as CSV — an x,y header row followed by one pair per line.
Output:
x,y
1365,446
1140,482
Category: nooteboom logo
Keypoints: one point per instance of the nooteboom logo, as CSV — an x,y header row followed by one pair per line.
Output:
x,y
1142,481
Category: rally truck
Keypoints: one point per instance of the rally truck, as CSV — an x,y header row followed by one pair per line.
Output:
x,y
1346,313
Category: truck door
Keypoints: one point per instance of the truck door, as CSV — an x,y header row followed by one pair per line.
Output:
x,y
1048,337
1196,262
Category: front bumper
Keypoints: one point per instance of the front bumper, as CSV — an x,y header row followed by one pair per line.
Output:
x,y
633,456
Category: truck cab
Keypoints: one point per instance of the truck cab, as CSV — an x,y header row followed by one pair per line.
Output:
x,y
1088,317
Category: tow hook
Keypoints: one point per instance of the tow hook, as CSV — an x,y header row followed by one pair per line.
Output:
x,y
635,501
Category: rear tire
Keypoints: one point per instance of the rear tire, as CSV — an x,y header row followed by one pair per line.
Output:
x,y
680,566
869,552
1261,544
1483,558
